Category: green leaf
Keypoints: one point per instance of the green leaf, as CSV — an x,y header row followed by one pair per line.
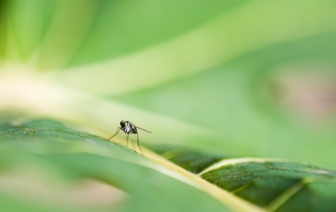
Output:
x,y
69,156
235,81
272,184
55,148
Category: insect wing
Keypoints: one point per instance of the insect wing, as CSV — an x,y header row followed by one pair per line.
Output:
x,y
142,129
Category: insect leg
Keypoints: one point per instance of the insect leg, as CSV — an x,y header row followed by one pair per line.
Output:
x,y
133,146
124,143
139,144
127,140
118,129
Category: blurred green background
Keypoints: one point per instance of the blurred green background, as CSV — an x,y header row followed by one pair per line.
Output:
x,y
241,77
257,76
249,78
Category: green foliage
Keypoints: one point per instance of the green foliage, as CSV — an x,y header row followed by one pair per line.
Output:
x,y
231,81
52,147
264,183
271,184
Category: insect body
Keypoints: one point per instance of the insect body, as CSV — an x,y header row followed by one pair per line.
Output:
x,y
129,128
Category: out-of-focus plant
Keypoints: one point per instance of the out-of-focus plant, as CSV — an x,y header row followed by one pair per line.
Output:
x,y
225,78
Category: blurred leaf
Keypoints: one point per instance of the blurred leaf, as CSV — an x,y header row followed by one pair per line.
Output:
x,y
53,147
3,28
69,156
124,27
29,21
235,32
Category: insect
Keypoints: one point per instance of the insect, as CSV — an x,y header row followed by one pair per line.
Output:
x,y
129,128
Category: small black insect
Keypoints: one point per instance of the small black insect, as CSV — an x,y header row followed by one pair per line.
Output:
x,y
129,128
